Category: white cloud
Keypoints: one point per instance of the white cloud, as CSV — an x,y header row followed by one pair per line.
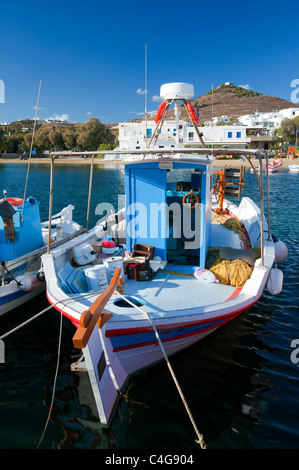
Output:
x,y
40,107
141,92
247,87
58,118
156,98
89,113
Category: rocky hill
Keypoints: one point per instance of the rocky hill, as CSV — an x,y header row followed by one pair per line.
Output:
x,y
233,101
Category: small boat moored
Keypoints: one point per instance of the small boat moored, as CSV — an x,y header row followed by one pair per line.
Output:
x,y
23,239
187,260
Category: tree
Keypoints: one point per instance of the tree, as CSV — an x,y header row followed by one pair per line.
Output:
x,y
70,139
1,138
92,134
56,139
288,129
42,141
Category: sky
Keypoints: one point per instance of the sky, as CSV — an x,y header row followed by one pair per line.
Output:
x,y
90,55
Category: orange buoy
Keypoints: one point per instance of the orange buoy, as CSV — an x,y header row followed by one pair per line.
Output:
x,y
192,112
14,201
160,112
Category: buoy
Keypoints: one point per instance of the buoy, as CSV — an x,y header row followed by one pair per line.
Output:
x,y
275,281
281,250
14,201
108,246
30,281
192,112
160,112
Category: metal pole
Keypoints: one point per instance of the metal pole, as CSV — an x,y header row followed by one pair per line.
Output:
x,y
262,209
50,202
145,93
89,192
268,196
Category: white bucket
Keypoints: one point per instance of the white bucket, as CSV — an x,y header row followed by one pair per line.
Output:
x,y
96,277
112,264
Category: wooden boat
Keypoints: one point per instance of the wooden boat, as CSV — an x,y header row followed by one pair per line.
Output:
x,y
190,261
23,239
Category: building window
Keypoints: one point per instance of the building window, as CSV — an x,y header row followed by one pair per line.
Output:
x,y
238,135
149,132
229,135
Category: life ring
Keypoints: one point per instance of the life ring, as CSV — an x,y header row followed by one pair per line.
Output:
x,y
14,201
190,200
160,112
192,112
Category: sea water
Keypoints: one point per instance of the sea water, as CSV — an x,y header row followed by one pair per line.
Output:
x,y
241,382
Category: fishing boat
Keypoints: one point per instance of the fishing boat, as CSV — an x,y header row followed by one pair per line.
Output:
x,y
23,239
275,165
175,264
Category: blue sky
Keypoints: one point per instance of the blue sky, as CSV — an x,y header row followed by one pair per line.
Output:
x,y
90,55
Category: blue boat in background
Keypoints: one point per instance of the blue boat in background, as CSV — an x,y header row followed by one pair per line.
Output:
x,y
23,239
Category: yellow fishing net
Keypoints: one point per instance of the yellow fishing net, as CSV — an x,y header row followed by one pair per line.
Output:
x,y
232,272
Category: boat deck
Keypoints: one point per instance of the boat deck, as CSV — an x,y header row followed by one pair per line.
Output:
x,y
170,292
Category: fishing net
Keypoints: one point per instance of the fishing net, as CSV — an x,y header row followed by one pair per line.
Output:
x,y
231,272
233,223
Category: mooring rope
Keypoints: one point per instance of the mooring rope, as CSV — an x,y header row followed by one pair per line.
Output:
x,y
64,302
55,381
200,438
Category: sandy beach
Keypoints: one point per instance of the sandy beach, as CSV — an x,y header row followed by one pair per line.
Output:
x,y
221,163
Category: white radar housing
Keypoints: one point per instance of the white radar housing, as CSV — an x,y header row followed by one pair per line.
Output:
x,y
177,91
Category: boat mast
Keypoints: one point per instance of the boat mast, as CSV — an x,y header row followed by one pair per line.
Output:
x,y
145,92
31,147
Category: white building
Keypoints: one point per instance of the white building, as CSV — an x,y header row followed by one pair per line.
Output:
x,y
224,119
270,120
135,135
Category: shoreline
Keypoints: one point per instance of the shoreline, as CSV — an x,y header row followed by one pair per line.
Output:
x,y
229,162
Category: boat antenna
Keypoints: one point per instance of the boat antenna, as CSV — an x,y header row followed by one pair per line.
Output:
x,y
145,92
212,117
31,146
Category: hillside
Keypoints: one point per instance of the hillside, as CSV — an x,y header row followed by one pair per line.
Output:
x,y
234,102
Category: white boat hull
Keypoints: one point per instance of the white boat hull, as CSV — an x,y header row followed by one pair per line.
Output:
x,y
294,168
13,299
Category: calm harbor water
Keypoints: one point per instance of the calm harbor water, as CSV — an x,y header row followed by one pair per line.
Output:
x,y
240,382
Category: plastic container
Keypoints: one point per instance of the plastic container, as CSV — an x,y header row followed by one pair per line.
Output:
x,y
112,264
83,254
96,277
205,275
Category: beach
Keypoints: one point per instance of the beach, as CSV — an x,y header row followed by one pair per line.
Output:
x,y
219,163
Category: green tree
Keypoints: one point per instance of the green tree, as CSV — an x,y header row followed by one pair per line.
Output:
x,y
92,134
42,141
56,139
288,129
70,138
